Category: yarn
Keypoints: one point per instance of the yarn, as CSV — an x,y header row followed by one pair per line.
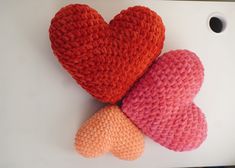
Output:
x,y
161,102
110,130
117,61
106,59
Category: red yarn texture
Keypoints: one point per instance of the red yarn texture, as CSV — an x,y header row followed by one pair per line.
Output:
x,y
106,59
161,103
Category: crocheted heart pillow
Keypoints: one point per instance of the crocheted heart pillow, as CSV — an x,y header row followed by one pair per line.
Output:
x,y
161,103
106,59
109,130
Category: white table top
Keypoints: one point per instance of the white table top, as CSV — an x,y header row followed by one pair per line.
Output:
x,y
41,106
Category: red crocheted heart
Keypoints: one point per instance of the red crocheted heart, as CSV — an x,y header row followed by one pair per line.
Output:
x,y
161,103
106,59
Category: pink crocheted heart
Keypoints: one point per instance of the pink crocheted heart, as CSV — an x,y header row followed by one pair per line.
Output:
x,y
161,103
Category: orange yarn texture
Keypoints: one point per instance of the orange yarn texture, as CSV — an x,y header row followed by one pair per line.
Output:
x,y
106,59
109,130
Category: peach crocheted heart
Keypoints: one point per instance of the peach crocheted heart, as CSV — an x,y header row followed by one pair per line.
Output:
x,y
109,130
106,59
161,103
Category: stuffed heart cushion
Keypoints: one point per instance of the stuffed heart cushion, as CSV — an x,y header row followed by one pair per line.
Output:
x,y
161,103
109,130
106,59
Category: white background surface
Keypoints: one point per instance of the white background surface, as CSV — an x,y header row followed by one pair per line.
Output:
x,y
41,106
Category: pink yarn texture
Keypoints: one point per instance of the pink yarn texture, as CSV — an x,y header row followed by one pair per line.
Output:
x,y
161,102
